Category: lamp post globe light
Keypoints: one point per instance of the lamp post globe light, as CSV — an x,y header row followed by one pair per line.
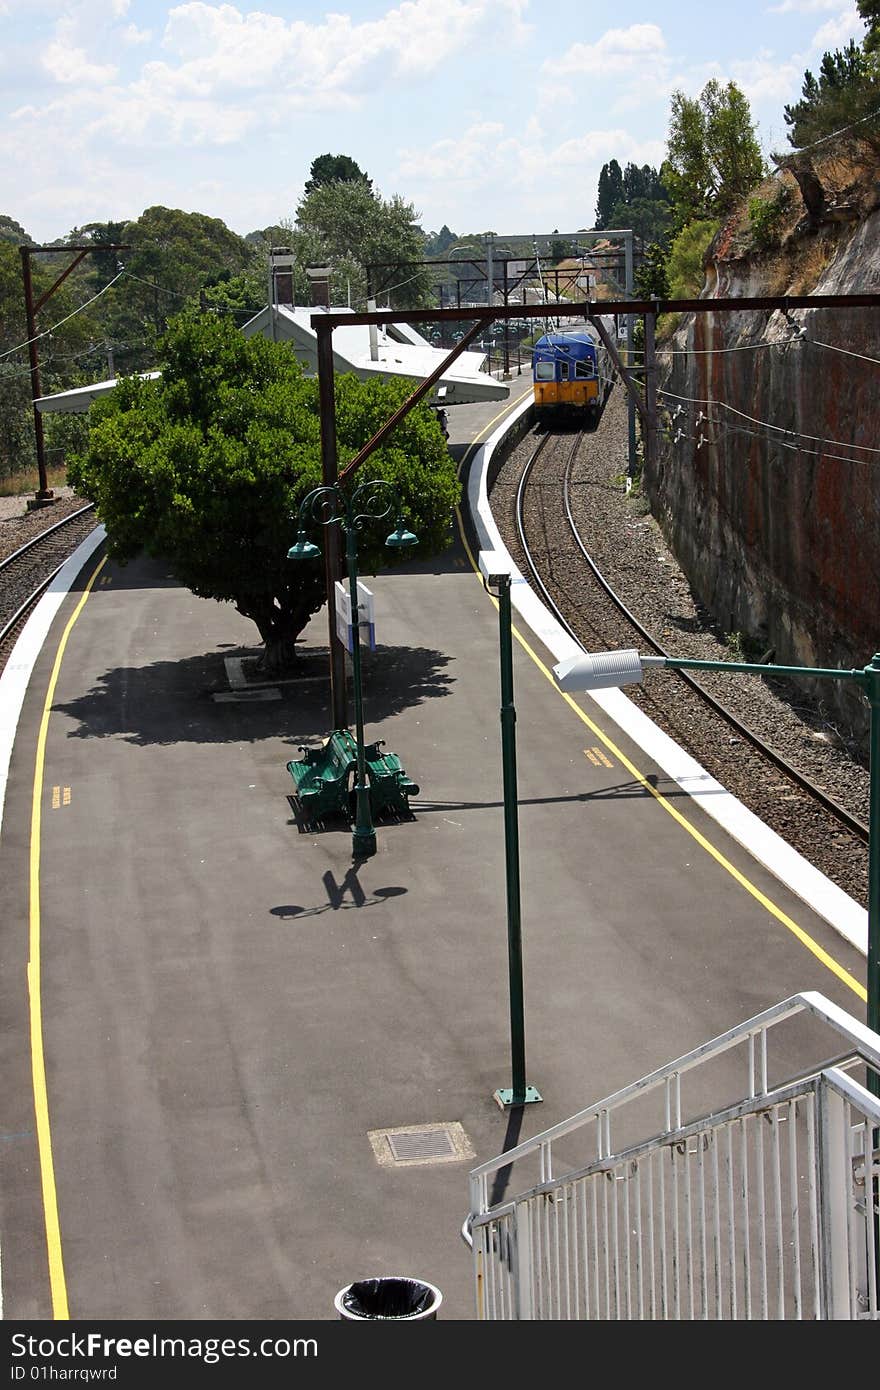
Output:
x,y
331,505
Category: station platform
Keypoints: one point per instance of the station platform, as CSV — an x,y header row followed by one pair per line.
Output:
x,y
243,1070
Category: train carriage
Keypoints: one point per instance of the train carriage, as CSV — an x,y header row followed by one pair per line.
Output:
x,y
571,375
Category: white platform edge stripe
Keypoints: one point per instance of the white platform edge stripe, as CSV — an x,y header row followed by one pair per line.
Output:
x,y
824,897
19,668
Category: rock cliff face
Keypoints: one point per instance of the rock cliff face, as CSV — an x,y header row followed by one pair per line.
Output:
x,y
768,478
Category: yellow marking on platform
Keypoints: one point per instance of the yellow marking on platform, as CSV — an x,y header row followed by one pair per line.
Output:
x,y
598,757
57,1283
803,936
56,798
65,799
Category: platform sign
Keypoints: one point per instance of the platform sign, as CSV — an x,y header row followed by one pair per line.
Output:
x,y
366,617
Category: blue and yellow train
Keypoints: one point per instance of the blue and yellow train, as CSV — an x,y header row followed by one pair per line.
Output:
x,y
571,376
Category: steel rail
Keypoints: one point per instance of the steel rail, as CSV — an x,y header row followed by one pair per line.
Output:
x,y
18,554
41,536
852,823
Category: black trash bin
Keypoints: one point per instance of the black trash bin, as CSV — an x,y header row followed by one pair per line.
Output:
x,y
389,1300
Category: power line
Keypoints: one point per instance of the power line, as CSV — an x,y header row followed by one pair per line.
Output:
x,y
46,331
766,424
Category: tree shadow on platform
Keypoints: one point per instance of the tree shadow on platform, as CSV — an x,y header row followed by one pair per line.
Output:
x,y
191,700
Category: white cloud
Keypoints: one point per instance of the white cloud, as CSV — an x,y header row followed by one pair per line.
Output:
x,y
838,32
131,34
484,153
71,66
765,78
217,46
617,51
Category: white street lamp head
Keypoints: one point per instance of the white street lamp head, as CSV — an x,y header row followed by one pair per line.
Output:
x,y
494,566
599,670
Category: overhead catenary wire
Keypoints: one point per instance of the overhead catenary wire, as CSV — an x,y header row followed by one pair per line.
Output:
x,y
768,425
46,331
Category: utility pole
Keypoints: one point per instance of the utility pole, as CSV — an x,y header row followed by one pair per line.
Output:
x,y
45,495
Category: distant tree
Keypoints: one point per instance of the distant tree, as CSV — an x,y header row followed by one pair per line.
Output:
x,y
685,264
10,230
652,277
333,168
642,181
846,90
713,156
436,243
649,218
352,228
870,13
206,467
172,256
102,265
239,295
276,235
610,193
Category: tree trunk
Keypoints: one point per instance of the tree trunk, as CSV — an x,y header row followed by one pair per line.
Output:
x,y
280,625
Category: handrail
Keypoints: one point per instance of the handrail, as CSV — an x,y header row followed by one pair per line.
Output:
x,y
864,1041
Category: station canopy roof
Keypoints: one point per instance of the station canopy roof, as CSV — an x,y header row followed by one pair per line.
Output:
x,y
397,351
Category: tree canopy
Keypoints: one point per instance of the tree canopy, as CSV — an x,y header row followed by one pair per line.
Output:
x,y
352,228
633,197
334,168
206,467
846,90
713,156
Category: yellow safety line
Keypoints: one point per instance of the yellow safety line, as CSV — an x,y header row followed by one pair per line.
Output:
x,y
828,961
38,1062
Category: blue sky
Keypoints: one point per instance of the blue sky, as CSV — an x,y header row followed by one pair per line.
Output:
x,y
486,114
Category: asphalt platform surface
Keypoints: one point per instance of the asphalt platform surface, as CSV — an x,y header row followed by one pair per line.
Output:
x,y
269,1068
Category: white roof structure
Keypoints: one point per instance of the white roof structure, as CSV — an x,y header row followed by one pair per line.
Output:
x,y
395,350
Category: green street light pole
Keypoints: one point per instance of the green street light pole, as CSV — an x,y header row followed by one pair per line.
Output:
x,y
518,1093
597,670
327,506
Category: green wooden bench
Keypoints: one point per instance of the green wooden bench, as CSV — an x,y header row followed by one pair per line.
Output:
x,y
390,788
322,776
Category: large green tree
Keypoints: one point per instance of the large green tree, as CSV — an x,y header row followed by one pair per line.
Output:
x,y
846,90
172,257
207,466
355,230
713,156
334,168
870,13
609,193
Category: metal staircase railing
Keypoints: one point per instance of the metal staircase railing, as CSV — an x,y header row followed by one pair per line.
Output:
x,y
655,1204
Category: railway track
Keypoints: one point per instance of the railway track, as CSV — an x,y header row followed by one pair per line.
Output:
x,y
27,571
600,564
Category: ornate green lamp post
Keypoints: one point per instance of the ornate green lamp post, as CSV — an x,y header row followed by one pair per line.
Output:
x,y
330,506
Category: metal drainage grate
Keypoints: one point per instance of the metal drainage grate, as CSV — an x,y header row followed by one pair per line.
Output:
x,y
411,1144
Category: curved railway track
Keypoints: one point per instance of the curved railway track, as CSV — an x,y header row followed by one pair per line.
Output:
x,y
28,571
557,501
851,822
